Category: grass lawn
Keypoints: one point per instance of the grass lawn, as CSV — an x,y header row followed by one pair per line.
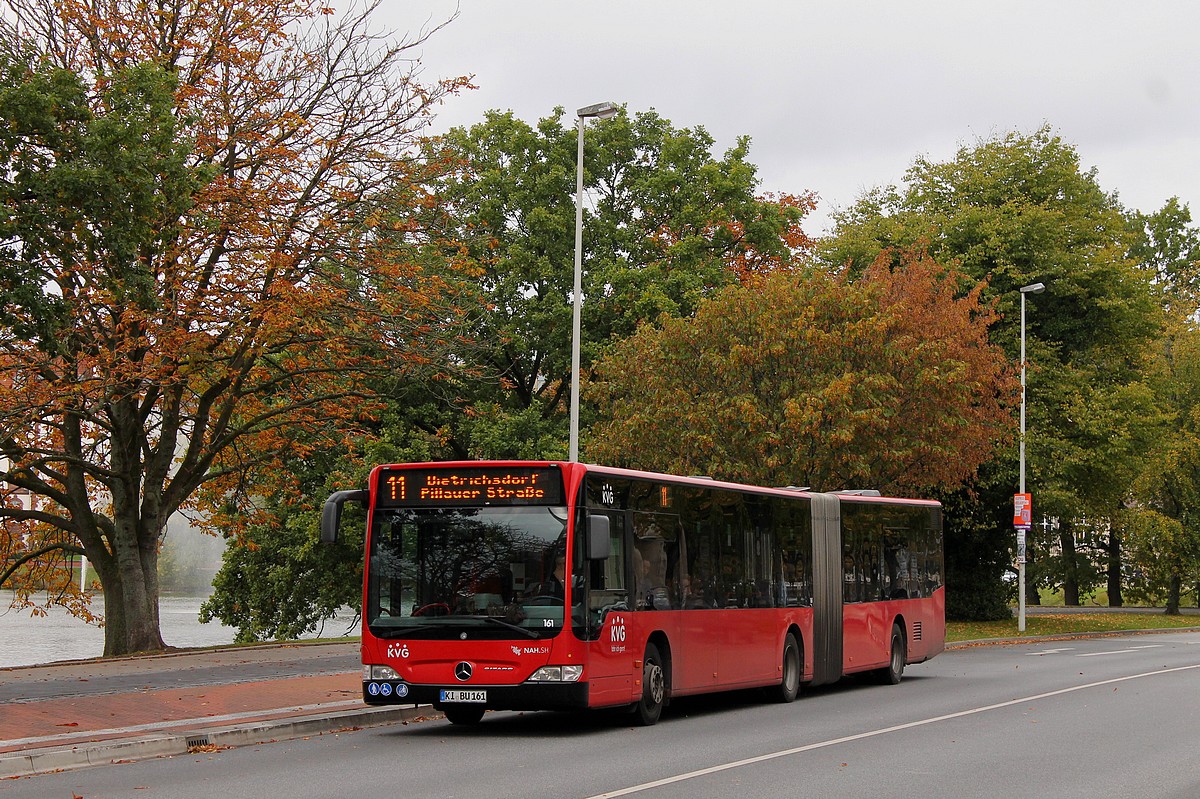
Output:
x,y
1066,624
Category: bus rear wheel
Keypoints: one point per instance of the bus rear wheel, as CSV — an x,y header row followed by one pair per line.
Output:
x,y
891,674
654,688
463,715
789,687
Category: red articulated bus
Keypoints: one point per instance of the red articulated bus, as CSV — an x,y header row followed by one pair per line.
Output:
x,y
543,585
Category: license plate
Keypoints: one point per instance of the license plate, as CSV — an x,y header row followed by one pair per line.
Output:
x,y
464,696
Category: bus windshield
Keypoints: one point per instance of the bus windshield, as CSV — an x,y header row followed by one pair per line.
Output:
x,y
474,572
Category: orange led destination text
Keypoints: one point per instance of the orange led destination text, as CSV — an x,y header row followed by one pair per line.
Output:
x,y
486,486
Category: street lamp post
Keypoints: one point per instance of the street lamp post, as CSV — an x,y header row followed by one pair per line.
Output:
x,y
1033,288
597,111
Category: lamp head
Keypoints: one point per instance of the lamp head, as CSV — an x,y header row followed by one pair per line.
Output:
x,y
1033,288
599,111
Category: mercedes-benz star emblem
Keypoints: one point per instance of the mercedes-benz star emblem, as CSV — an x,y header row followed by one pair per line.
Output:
x,y
463,671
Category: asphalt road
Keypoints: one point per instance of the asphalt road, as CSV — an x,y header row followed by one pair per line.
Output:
x,y
1112,717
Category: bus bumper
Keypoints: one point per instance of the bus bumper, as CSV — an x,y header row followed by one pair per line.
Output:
x,y
525,696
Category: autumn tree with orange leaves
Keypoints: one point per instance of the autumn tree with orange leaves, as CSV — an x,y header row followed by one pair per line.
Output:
x,y
190,263
884,382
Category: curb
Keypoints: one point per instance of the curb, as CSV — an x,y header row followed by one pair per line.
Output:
x,y
121,750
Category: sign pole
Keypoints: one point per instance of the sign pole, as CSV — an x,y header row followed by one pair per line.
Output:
x,y
1021,488
1027,516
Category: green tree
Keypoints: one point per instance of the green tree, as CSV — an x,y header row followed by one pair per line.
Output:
x,y
276,580
1167,245
1162,524
666,224
883,382
1018,209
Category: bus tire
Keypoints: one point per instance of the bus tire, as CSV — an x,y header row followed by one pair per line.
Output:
x,y
465,716
789,687
654,688
891,674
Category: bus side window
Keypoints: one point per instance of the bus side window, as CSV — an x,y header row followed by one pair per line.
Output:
x,y
655,561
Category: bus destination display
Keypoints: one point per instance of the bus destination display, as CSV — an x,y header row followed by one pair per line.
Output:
x,y
521,485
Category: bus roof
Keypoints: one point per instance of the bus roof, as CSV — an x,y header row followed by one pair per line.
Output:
x,y
846,495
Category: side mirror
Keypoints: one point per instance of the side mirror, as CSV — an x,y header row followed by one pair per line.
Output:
x,y
598,545
331,514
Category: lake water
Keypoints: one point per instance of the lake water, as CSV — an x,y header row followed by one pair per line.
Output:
x,y
29,640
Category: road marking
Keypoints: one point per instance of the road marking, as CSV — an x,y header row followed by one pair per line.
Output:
x,y
1050,651
1118,651
874,733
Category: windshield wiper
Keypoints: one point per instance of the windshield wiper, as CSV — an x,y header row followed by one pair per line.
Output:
x,y
523,630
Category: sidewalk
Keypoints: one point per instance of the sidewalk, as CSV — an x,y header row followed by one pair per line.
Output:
x,y
81,713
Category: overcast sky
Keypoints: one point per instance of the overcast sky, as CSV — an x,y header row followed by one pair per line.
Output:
x,y
841,96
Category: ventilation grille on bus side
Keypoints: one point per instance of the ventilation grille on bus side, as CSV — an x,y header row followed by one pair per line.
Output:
x,y
916,631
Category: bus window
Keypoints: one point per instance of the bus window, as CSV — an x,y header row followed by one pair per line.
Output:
x,y
656,560
899,565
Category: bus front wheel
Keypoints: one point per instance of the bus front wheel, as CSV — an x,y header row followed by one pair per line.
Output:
x,y
654,688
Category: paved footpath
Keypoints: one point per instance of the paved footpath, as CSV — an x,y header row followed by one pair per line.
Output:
x,y
80,713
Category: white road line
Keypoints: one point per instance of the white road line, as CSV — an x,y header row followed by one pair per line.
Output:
x,y
1118,651
1050,651
873,733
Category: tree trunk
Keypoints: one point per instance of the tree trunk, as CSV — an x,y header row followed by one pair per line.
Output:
x,y
1115,600
134,537
131,620
1066,540
1173,589
1032,595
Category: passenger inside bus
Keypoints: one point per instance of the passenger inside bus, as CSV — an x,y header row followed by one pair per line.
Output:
x,y
694,595
652,593
555,584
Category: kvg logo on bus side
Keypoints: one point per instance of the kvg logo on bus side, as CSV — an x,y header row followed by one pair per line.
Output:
x,y
616,634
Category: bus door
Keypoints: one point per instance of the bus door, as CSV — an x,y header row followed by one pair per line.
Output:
x,y
610,650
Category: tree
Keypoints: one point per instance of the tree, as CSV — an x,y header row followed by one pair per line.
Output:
x,y
667,223
801,378
1167,245
1161,523
276,580
190,270
1018,209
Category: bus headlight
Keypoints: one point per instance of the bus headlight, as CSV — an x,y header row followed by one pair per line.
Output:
x,y
557,674
379,673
